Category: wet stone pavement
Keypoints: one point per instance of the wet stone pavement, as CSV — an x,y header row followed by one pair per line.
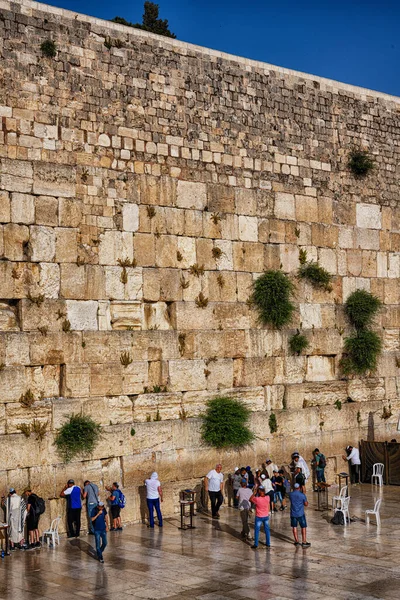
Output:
x,y
211,562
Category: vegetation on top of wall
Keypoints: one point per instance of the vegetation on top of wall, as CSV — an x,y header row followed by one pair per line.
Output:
x,y
361,352
361,307
297,343
225,423
150,21
313,272
77,437
272,294
360,163
48,48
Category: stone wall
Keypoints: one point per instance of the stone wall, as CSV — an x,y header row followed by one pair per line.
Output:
x,y
122,168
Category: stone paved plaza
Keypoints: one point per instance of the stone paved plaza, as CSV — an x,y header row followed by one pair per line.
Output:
x,y
213,563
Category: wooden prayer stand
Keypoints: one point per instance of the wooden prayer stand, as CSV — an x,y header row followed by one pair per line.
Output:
x,y
322,489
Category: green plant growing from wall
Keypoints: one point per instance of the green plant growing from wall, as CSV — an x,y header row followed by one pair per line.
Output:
x,y
66,326
272,297
48,48
201,301
358,417
158,416
125,359
314,273
361,308
272,422
338,404
28,398
362,350
77,437
39,429
297,343
360,163
225,423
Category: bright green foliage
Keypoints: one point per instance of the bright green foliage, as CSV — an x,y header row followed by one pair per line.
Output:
x,y
273,425
297,343
338,404
362,351
77,437
224,423
316,275
49,48
361,307
150,21
360,163
272,295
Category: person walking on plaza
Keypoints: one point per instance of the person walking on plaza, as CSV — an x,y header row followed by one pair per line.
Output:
x,y
236,483
353,457
91,494
243,497
262,504
213,482
154,497
72,493
114,500
32,519
298,501
319,462
15,507
100,524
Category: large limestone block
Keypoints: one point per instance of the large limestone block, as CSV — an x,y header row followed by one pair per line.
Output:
x,y
213,344
44,381
254,371
43,243
248,228
191,194
187,375
117,289
12,383
285,207
17,414
22,208
320,368
217,289
367,239
54,180
245,202
21,452
289,256
130,216
185,315
43,481
170,285
263,343
134,377
5,207
109,411
306,209
187,250
294,369
157,316
76,380
168,405
106,380
369,216
15,349
46,211
49,280
70,212
367,390
248,256
166,251
126,315
324,393
219,373
193,223
73,281
156,190
114,246
55,348
8,317
116,441
296,422
324,341
310,316
232,316
144,249
63,408
66,245
221,199
274,397
82,314
16,238
204,248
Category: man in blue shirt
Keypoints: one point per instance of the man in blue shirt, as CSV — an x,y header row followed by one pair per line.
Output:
x,y
100,526
73,494
298,501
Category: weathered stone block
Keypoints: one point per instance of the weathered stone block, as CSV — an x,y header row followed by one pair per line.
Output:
x,y
369,216
320,368
76,381
66,245
191,195
46,211
16,238
114,246
187,375
82,314
130,217
22,208
42,243
248,228
5,207
285,206
54,180
49,280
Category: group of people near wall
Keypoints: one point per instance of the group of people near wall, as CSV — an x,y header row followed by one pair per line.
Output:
x,y
261,491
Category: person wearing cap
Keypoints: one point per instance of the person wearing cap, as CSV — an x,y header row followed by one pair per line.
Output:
x,y
213,483
279,488
154,496
299,478
15,506
250,477
270,467
353,458
262,504
115,506
298,501
236,481
243,498
73,494
100,527
267,484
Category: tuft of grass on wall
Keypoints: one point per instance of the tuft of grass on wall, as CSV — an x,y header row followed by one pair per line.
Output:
x,y
361,352
360,163
361,308
49,48
77,437
316,275
297,343
225,423
272,297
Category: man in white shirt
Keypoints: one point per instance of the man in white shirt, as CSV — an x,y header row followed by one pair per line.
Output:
x,y
270,467
353,457
213,482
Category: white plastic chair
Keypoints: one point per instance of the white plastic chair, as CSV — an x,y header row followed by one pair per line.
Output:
x,y
344,508
52,532
337,501
375,512
377,473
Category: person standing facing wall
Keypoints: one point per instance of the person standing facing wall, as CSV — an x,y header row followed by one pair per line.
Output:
x,y
154,496
91,493
353,458
72,493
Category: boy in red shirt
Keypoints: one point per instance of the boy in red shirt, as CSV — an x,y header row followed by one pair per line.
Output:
x,y
262,504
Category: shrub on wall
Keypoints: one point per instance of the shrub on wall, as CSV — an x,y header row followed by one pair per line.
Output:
x,y
48,48
361,307
224,423
77,437
272,294
362,350
360,163
297,343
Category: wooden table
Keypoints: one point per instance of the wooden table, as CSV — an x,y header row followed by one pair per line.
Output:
x,y
4,527
345,477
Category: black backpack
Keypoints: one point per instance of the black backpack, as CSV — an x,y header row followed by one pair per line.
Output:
x,y
251,478
40,505
322,461
338,518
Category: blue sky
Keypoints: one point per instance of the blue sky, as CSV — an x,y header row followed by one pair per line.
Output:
x,y
352,41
